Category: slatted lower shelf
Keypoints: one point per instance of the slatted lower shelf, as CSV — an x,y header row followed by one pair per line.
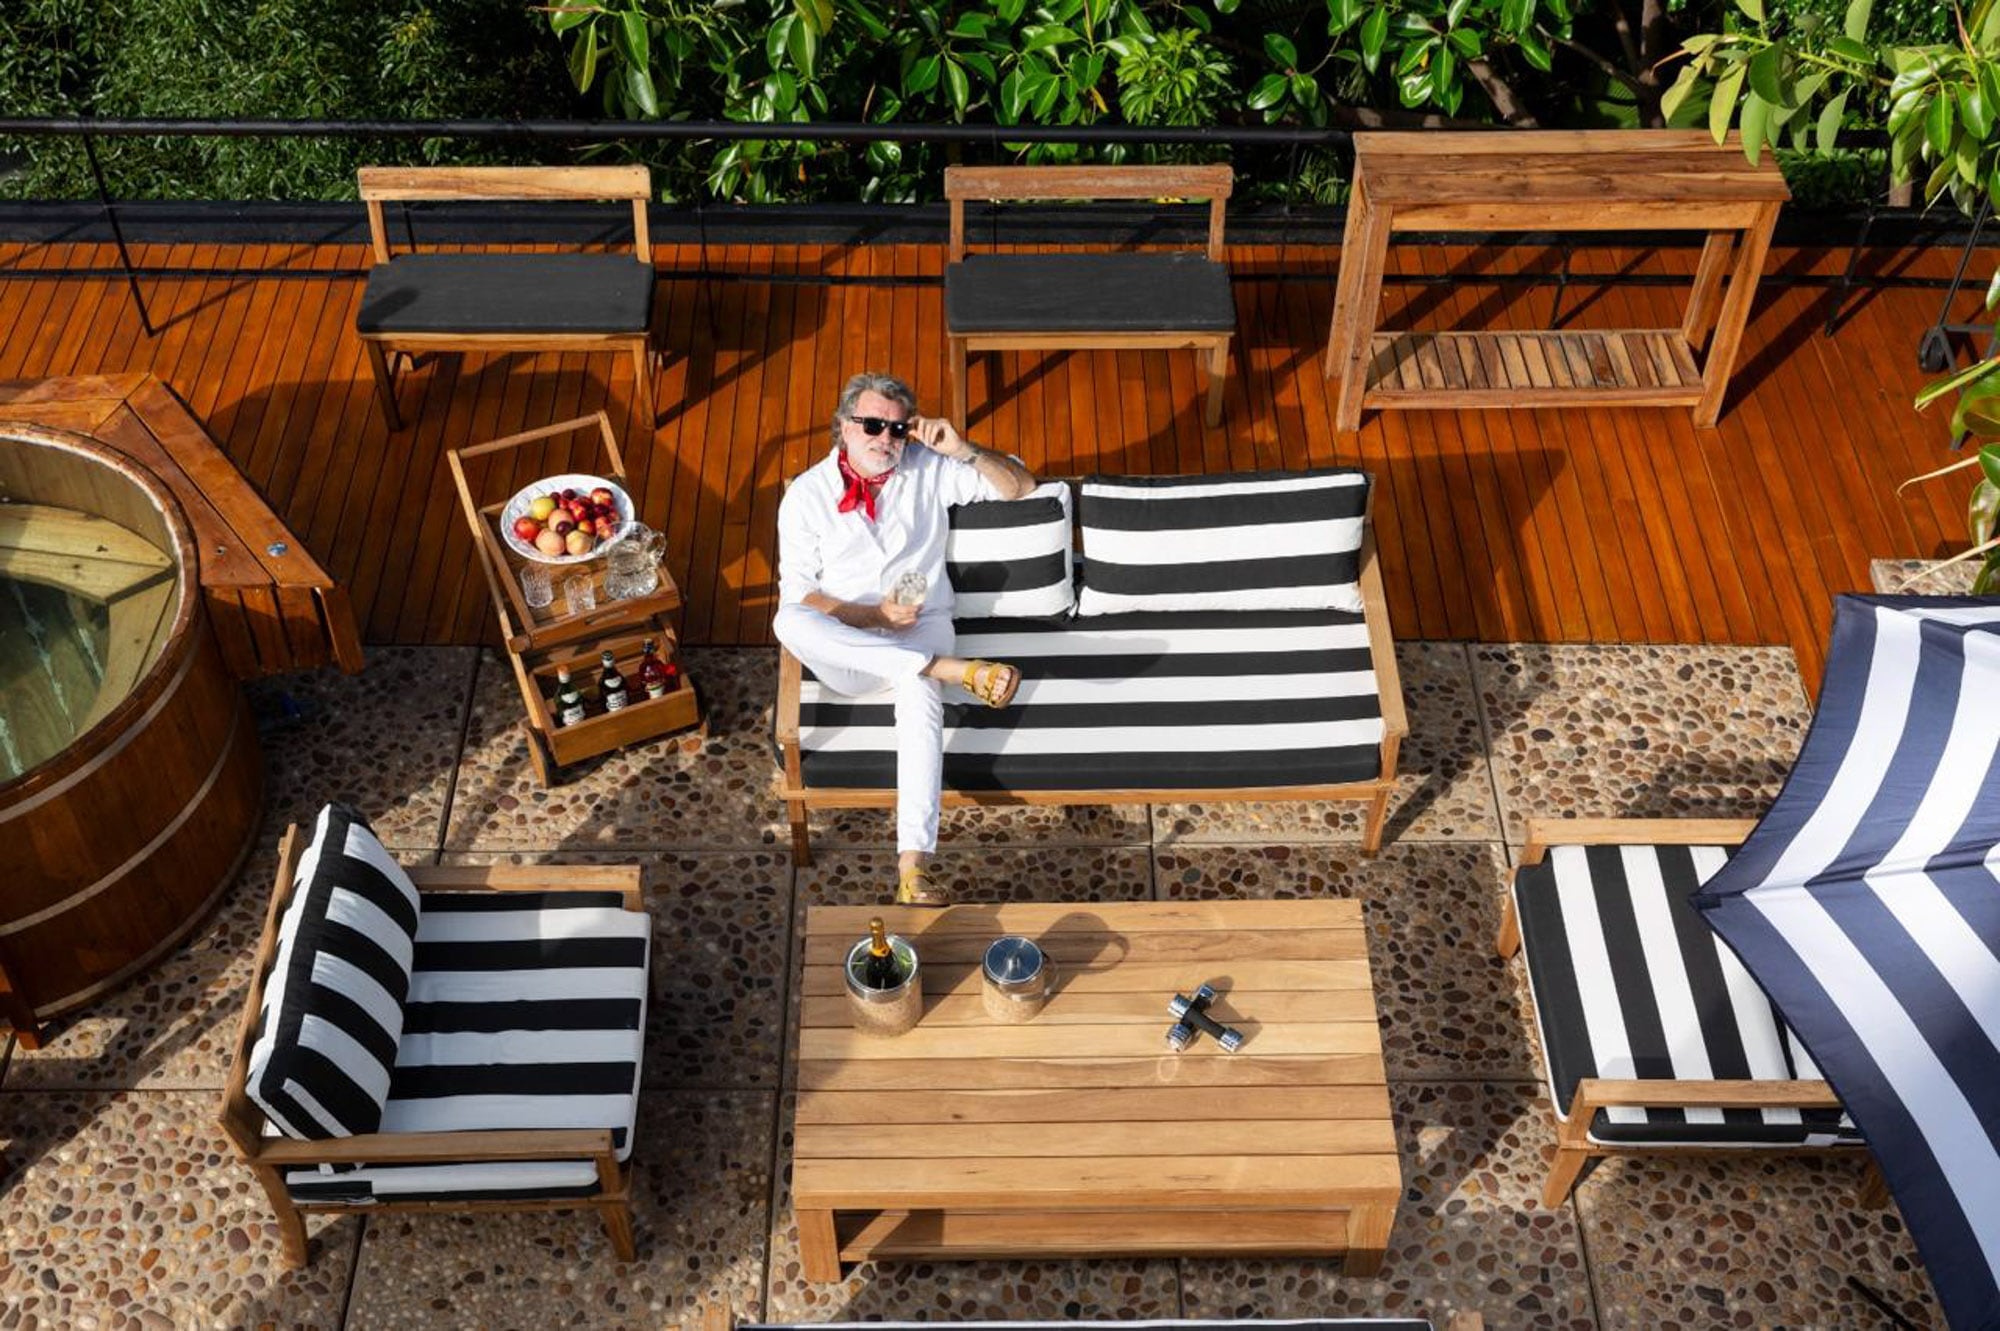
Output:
x,y
916,1235
1615,367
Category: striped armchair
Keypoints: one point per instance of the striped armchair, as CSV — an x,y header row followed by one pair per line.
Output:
x,y
440,1038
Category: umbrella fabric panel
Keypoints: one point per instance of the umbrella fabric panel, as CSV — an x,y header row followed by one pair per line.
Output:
x,y
1867,903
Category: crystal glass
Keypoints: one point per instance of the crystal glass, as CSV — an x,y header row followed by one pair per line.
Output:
x,y
578,595
538,589
632,567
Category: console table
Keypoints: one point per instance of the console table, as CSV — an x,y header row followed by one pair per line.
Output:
x,y
1556,180
1080,1134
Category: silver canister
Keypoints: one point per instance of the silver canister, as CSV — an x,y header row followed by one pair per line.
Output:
x,y
1015,979
889,1011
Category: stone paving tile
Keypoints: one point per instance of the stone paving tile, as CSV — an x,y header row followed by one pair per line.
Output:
x,y
1018,825
721,939
129,1209
1468,1235
1922,577
1639,731
649,795
174,1024
1443,789
1448,1005
383,740
701,1185
1751,1241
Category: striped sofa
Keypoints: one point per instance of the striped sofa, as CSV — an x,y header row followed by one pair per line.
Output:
x,y
1653,1035
440,1038
1219,638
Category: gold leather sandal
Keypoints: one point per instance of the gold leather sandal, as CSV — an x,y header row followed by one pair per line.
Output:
x,y
914,887
992,682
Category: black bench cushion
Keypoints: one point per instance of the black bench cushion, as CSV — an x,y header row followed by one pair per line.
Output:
x,y
507,293
1630,983
1141,701
1112,293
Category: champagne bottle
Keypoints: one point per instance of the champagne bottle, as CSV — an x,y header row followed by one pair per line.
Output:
x,y
569,701
613,687
653,675
879,969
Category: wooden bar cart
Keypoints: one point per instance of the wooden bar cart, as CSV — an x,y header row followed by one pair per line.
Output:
x,y
540,641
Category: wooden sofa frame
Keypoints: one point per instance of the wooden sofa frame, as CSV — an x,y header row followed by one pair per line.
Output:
x,y
715,1316
1574,1150
995,183
800,798
410,184
270,1157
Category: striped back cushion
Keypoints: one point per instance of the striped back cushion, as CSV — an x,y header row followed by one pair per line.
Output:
x,y
333,1003
1274,540
1010,559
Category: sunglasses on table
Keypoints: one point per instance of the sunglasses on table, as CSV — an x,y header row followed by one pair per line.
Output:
x,y
874,425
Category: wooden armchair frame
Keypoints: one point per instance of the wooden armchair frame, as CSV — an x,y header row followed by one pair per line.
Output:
x,y
412,184
800,799
1574,1149
714,1316
270,1157
1010,183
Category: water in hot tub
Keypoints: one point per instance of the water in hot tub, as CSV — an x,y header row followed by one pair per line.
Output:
x,y
52,665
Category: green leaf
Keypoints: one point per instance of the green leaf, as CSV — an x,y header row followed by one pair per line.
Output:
x,y
1756,124
1515,15
1011,97
1954,382
1342,15
639,87
629,36
981,64
1534,50
774,39
1672,99
1767,75
563,18
872,23
1753,8
1975,405
1455,12
1010,10
1466,42
1444,69
1830,117
1938,122
1270,90
1722,103
1993,290
1847,48
1989,465
957,85
1281,51
815,14
922,76
1855,24
583,60
1374,32
1048,35
1974,111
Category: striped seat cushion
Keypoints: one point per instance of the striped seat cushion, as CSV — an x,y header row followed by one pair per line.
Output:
x,y
1011,559
1145,1324
1133,702
1629,982
332,1014
1274,540
526,1010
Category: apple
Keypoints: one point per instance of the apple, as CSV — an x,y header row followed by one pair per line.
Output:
x,y
603,497
540,507
549,543
527,529
578,542
561,523
588,526
606,527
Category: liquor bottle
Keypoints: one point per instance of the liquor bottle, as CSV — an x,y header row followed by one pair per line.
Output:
x,y
653,677
569,701
613,687
879,969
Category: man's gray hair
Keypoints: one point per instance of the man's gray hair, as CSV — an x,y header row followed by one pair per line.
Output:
x,y
885,384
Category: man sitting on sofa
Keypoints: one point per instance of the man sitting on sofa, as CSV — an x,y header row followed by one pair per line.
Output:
x,y
863,598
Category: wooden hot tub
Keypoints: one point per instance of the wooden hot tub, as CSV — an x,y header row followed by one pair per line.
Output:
x,y
130,780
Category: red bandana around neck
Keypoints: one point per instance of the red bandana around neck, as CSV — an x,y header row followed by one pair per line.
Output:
x,y
861,490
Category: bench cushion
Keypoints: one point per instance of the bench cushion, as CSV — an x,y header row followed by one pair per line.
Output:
x,y
332,1014
1011,558
1112,293
507,293
1630,982
1133,702
1273,540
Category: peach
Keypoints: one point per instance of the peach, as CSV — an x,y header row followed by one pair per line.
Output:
x,y
550,542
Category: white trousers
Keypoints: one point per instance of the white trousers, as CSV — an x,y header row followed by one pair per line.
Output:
x,y
862,661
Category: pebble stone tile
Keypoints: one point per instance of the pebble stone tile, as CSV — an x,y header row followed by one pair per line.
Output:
x,y
650,795
1921,577
1468,1237
1443,789
173,1025
701,1183
129,1210
1693,1243
1015,825
383,740
1639,731
1447,1004
721,935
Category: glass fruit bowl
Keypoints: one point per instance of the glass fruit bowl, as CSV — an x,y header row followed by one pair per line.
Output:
x,y
523,507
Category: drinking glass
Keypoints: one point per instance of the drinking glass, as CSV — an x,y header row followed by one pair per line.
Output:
x,y
578,595
538,589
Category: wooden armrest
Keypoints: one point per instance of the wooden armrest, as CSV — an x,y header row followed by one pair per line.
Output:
x,y
1544,832
400,1148
1381,643
791,678
1088,182
626,879
1593,1094
426,183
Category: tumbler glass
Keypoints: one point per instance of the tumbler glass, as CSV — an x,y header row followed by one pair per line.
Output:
x,y
538,589
578,595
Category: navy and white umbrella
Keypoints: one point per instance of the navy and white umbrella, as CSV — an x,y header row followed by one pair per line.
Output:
x,y
1867,902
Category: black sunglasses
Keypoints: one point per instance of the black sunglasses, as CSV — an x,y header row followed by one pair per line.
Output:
x,y
874,425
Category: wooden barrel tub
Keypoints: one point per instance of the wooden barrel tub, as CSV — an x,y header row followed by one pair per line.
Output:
x,y
133,781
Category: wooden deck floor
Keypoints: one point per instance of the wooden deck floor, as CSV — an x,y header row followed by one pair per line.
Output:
x,y
1595,526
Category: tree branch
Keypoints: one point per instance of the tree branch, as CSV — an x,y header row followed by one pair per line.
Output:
x,y
1623,27
1498,91
1609,70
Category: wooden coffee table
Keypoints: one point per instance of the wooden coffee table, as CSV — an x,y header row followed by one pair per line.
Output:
x,y
1080,1134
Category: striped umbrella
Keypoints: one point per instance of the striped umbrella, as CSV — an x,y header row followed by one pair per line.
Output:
x,y
1867,902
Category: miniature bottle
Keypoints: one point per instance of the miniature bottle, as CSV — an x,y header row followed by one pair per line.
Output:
x,y
653,676
613,686
569,700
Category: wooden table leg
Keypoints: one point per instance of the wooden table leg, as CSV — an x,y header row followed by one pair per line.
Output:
x,y
1735,315
1367,1239
819,1247
1357,305
1699,320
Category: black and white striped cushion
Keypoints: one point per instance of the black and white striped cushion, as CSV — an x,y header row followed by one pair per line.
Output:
x,y
1630,983
1133,702
1144,1324
1273,540
1011,558
333,1004
526,1010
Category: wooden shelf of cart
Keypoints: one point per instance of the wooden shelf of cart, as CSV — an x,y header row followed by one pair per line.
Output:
x,y
540,641
1557,180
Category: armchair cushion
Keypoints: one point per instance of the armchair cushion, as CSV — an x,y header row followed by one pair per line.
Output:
x,y
1011,558
332,1015
1276,540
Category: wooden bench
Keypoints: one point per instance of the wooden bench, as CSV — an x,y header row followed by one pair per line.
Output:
x,y
506,301
1148,300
